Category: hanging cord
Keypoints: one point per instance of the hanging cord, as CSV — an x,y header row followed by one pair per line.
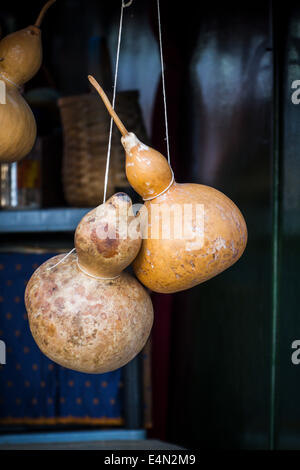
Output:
x,y
163,81
164,191
61,260
123,5
165,105
81,268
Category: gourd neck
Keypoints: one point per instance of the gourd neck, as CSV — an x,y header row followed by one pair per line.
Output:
x,y
94,271
147,170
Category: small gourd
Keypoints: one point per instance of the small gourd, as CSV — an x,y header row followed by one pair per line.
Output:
x,y
20,59
213,242
85,313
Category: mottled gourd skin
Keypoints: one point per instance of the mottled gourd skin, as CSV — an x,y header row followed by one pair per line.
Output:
x,y
87,324
169,266
107,257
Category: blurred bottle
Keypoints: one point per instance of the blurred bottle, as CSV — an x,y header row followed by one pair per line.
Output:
x,y
21,181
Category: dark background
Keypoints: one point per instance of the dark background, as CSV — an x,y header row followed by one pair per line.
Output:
x,y
232,125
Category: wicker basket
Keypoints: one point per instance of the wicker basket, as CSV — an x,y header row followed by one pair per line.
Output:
x,y
86,129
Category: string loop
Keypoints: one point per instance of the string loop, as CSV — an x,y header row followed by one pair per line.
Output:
x,y
164,191
95,277
80,267
61,260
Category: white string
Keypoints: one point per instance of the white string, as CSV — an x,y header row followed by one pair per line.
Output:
x,y
61,260
164,191
123,5
81,268
10,81
95,277
163,81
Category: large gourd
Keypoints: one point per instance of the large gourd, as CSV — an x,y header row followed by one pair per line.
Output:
x,y
85,313
216,241
20,59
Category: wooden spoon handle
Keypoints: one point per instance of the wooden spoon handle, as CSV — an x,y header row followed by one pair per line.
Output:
x,y
108,105
43,12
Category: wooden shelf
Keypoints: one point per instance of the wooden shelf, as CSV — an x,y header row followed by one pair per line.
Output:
x,y
41,220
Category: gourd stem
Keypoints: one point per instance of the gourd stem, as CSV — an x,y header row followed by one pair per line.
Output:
x,y
108,105
43,12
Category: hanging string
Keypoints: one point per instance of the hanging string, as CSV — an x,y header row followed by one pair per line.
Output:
x,y
123,5
164,190
80,267
163,81
61,260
